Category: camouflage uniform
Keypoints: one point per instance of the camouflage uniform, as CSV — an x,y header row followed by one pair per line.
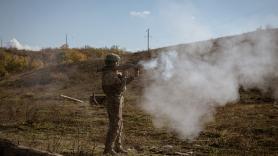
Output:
x,y
114,85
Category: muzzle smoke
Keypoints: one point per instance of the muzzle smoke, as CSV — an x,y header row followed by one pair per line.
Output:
x,y
188,83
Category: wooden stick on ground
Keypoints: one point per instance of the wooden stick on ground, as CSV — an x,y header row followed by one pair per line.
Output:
x,y
71,98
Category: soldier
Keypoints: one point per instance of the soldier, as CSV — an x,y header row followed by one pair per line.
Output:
x,y
113,85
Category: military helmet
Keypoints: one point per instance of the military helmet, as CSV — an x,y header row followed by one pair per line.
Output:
x,y
111,59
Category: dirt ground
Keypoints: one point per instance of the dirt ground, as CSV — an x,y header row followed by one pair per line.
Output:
x,y
32,113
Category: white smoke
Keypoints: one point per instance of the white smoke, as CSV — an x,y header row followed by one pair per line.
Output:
x,y
141,14
14,43
187,84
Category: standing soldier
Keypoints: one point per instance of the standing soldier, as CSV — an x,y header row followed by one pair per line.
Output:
x,y
113,85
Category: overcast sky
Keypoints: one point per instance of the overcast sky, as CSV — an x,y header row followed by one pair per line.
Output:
x,y
99,23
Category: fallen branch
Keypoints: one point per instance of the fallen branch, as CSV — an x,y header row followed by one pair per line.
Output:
x,y
71,98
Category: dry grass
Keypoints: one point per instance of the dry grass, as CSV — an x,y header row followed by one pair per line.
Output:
x,y
33,114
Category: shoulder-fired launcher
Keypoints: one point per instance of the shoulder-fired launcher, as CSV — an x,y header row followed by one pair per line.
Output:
x,y
123,67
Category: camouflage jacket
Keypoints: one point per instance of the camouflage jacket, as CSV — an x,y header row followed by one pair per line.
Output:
x,y
113,83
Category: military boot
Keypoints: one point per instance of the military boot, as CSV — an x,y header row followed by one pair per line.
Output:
x,y
110,152
120,149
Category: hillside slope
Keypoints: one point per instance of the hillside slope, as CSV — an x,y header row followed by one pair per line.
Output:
x,y
32,113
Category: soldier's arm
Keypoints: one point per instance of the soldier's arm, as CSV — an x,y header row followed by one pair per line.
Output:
x,y
111,79
129,79
119,80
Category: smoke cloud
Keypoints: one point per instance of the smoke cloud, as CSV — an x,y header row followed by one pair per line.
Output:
x,y
14,43
188,82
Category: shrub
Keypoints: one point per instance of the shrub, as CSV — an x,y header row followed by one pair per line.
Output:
x,y
3,71
71,55
36,64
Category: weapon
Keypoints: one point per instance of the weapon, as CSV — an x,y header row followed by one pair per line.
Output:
x,y
98,99
124,67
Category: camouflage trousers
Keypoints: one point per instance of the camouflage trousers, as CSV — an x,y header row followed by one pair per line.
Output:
x,y
114,105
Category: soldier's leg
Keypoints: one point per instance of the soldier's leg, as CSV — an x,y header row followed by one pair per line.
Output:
x,y
119,135
118,143
111,138
109,135
113,127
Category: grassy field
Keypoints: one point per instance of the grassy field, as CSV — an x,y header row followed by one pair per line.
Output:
x,y
33,114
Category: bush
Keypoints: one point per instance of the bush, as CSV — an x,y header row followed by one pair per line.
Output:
x,y
15,63
71,55
36,64
12,62
3,71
